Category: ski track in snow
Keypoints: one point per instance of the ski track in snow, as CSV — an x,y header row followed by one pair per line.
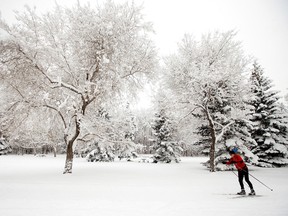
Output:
x,y
35,186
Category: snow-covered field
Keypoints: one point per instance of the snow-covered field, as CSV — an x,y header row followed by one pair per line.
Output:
x,y
35,186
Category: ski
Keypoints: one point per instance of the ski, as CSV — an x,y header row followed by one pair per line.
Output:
x,y
234,196
245,196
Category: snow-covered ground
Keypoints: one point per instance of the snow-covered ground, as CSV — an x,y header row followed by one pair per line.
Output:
x,y
35,186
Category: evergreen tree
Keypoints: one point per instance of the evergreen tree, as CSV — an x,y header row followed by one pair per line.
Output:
x,y
101,153
166,150
130,124
230,134
238,137
269,124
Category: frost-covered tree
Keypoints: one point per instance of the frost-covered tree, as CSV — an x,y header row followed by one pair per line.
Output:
x,y
208,72
36,132
144,132
165,146
129,124
79,57
21,121
16,93
270,126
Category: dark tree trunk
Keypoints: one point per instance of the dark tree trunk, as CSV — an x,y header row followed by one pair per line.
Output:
x,y
69,153
69,158
213,140
212,150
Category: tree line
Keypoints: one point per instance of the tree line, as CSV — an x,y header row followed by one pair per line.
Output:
x,y
69,78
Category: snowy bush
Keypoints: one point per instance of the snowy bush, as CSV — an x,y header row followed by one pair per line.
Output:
x,y
127,149
167,152
108,151
143,159
4,147
128,155
101,154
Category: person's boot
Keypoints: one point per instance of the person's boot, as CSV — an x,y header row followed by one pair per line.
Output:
x,y
242,192
252,193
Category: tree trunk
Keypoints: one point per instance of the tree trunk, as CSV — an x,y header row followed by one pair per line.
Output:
x,y
54,150
69,153
213,140
212,150
69,158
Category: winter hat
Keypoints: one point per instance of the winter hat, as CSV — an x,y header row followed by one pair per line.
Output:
x,y
235,149
231,152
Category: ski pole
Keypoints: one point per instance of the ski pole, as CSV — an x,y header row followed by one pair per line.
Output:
x,y
237,175
234,173
261,182
231,170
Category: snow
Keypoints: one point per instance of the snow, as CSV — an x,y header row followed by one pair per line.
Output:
x,y
35,186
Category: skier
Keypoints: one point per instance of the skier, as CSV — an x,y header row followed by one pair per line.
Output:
x,y
240,165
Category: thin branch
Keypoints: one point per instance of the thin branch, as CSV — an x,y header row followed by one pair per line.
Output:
x,y
62,117
17,90
191,112
14,104
41,70
219,124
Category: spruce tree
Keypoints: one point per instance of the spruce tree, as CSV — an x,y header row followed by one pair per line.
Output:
x,y
236,135
166,150
269,124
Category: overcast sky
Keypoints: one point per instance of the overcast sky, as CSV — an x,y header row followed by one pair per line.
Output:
x,y
262,25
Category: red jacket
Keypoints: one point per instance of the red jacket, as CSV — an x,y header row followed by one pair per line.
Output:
x,y
237,160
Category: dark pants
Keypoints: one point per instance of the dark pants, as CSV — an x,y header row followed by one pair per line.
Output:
x,y
244,173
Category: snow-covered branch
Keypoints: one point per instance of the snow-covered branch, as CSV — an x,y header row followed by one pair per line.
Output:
x,y
223,130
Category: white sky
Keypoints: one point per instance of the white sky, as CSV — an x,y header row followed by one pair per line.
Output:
x,y
262,25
